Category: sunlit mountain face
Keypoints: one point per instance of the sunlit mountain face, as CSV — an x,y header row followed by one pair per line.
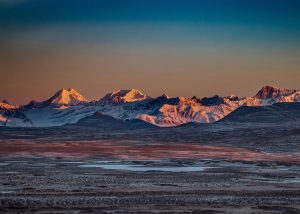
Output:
x,y
179,47
150,106
69,106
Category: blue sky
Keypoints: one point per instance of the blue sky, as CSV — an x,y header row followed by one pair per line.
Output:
x,y
274,18
256,39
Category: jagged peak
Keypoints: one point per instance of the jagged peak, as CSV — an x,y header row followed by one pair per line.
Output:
x,y
124,96
232,97
210,101
195,99
72,90
268,92
66,97
164,96
69,90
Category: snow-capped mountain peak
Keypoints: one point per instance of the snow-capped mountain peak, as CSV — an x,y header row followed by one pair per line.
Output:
x,y
125,96
163,96
65,107
4,104
66,97
268,92
232,97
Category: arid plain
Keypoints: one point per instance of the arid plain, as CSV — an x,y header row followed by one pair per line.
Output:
x,y
224,167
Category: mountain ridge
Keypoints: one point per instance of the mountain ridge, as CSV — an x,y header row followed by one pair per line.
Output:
x,y
268,92
124,96
69,106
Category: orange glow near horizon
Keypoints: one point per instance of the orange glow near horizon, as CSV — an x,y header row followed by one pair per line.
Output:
x,y
181,48
37,74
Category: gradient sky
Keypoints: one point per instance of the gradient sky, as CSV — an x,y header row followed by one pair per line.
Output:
x,y
177,47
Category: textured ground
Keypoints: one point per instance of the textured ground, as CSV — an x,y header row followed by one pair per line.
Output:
x,y
59,185
255,168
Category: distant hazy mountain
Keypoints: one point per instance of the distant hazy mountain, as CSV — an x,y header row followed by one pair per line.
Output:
x,y
69,107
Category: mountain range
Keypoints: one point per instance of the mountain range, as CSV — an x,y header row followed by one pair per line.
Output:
x,y
130,106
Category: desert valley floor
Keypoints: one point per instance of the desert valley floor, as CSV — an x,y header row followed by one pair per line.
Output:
x,y
209,168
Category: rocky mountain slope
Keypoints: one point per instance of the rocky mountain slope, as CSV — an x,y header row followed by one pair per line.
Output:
x,y
69,106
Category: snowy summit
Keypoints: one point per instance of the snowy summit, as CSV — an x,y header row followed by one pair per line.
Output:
x,y
66,97
124,96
